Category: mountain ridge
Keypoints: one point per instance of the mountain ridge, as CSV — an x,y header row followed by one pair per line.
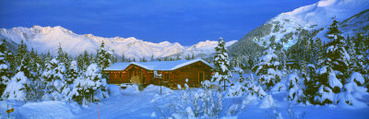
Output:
x,y
287,28
44,39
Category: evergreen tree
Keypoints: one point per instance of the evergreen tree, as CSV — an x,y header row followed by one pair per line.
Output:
x,y
19,88
54,77
21,51
333,69
267,69
318,50
177,58
89,88
80,61
103,57
4,68
358,53
188,57
72,73
354,91
240,87
295,93
222,65
123,58
60,54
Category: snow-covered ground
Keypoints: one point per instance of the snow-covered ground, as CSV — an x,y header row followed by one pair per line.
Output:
x,y
132,103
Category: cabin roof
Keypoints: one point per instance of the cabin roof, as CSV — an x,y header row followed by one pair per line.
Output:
x,y
157,65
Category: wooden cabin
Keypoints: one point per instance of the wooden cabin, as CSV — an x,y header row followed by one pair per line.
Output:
x,y
172,72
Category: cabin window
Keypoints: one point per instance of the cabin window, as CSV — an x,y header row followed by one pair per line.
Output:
x,y
166,76
143,78
201,76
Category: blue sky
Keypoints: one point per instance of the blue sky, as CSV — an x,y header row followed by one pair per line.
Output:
x,y
183,21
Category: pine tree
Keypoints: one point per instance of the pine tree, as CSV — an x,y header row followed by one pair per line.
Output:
x,y
267,69
103,57
21,51
123,58
19,88
354,90
222,65
318,49
56,87
358,50
4,67
177,58
240,87
333,69
60,57
89,88
295,92
72,73
336,54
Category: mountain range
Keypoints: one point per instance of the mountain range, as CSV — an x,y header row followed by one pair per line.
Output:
x,y
285,29
44,39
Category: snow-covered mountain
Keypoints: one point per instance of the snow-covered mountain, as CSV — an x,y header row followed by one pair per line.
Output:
x,y
204,48
44,39
311,20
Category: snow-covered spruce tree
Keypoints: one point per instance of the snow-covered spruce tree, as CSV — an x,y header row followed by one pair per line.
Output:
x,y
72,72
333,69
19,87
90,87
4,68
56,87
238,88
221,62
21,51
336,53
309,86
60,54
103,57
359,55
267,70
354,90
295,93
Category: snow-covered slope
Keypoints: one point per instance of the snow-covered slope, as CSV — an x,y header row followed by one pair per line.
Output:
x,y
44,39
204,48
292,25
321,13
311,20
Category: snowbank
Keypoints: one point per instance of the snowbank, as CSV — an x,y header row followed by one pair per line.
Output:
x,y
44,110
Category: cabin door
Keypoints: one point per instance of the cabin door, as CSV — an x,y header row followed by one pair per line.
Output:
x,y
201,77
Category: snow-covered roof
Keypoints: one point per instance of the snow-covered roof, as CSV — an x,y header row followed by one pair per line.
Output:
x,y
118,66
157,65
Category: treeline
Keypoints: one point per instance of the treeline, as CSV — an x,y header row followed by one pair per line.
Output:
x,y
29,76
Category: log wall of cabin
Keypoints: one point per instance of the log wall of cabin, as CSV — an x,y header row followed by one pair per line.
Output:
x,y
191,72
170,78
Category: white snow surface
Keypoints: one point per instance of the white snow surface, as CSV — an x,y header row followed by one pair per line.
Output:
x,y
148,104
321,13
356,76
333,81
44,39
